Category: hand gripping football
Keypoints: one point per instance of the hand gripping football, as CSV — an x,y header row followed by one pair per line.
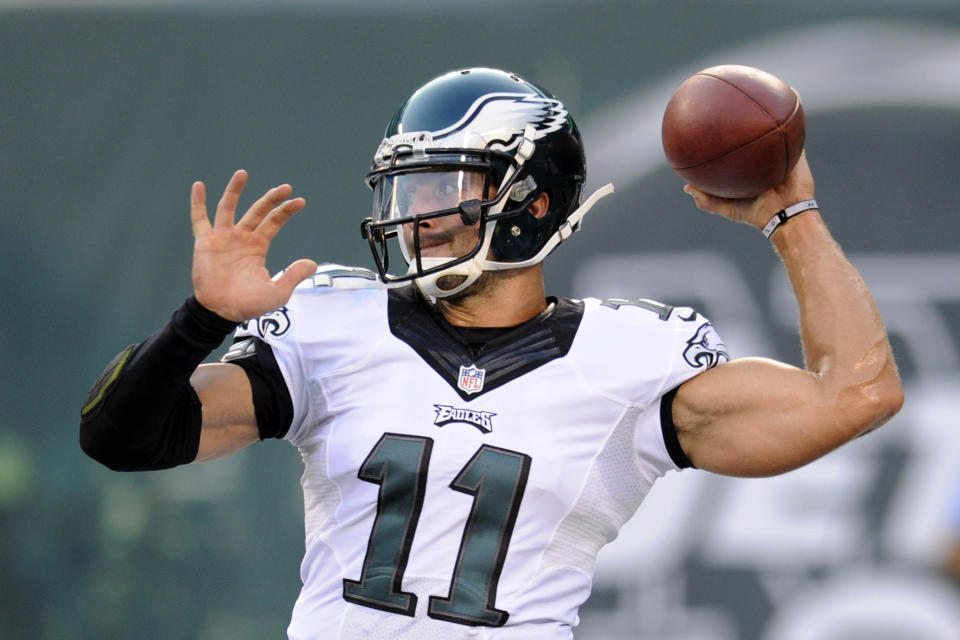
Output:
x,y
733,131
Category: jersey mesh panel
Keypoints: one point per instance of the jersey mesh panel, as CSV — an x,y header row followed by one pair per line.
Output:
x,y
321,496
611,494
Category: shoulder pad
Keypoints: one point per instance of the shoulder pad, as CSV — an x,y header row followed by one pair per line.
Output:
x,y
662,311
339,276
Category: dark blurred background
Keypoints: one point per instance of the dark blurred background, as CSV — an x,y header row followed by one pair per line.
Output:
x,y
110,110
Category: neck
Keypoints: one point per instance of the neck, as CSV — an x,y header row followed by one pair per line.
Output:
x,y
498,299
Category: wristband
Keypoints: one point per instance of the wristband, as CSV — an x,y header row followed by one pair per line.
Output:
x,y
781,217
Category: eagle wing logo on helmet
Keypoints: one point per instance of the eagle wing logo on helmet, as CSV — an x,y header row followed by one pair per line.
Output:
x,y
705,349
507,114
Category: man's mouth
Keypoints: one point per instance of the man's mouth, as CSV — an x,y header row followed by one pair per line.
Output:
x,y
440,249
435,244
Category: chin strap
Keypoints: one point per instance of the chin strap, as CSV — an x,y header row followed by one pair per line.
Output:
x,y
470,271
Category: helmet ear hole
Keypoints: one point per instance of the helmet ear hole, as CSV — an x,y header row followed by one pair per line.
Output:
x,y
518,237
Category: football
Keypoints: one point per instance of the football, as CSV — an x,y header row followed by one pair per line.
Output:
x,y
733,131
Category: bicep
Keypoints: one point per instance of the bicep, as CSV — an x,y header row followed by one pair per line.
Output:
x,y
757,417
229,420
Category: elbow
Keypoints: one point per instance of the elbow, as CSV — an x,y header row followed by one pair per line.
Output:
x,y
110,440
875,394
123,440
889,405
894,398
98,441
94,445
879,402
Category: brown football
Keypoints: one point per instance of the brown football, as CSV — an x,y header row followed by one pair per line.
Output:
x,y
733,131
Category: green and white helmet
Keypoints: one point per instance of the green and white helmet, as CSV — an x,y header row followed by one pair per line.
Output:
x,y
518,137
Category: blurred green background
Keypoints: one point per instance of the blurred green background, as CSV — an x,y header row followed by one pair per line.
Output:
x,y
109,111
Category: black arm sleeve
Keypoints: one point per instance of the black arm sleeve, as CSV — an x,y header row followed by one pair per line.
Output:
x,y
142,413
271,398
669,430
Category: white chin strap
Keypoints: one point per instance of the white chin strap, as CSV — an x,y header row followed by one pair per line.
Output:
x,y
472,269
469,271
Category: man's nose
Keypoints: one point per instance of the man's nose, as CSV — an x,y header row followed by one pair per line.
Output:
x,y
426,204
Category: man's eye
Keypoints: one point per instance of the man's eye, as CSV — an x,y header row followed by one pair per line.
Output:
x,y
446,190
405,198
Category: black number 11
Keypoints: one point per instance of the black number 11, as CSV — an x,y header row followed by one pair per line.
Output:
x,y
495,477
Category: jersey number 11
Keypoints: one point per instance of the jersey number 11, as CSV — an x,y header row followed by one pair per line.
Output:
x,y
496,478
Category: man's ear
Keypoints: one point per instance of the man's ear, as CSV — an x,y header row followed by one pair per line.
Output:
x,y
540,206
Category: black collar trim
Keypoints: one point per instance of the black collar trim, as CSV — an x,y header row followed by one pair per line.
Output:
x,y
505,357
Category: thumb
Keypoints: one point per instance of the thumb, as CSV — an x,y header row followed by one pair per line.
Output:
x,y
297,273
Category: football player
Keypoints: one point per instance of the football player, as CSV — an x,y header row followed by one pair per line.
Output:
x,y
469,442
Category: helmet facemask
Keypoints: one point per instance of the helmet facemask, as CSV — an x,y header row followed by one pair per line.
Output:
x,y
478,188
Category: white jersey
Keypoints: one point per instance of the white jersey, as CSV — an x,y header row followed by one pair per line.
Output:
x,y
455,493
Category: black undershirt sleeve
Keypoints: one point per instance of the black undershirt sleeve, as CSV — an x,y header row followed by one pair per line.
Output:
x,y
271,398
669,430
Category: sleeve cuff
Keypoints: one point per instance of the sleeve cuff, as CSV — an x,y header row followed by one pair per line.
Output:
x,y
669,430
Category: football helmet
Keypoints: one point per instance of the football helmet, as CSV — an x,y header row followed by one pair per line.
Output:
x,y
480,146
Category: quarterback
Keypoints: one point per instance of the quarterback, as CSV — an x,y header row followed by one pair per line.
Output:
x,y
469,442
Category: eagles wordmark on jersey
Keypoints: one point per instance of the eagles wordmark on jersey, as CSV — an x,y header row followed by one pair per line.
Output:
x,y
435,511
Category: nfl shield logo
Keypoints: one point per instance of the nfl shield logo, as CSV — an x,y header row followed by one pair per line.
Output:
x,y
471,379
